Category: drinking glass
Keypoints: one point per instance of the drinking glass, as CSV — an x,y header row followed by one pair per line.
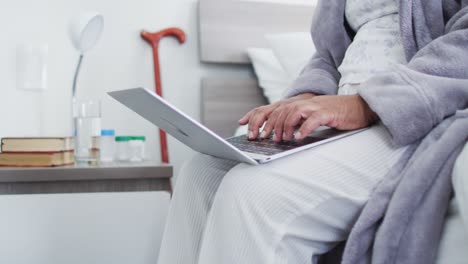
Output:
x,y
87,130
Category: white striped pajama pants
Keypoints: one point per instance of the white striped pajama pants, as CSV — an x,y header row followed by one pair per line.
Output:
x,y
288,211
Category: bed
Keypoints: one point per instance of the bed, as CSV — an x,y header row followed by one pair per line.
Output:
x,y
228,29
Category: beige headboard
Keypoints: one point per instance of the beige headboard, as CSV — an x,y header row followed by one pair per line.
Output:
x,y
227,28
225,101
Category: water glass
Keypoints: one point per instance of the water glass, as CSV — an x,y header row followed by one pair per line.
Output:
x,y
87,130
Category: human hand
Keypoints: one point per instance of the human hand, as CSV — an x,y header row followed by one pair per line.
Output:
x,y
340,112
256,117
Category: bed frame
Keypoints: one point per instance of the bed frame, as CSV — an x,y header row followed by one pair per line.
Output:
x,y
227,28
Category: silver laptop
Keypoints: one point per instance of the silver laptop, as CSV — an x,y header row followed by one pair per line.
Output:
x,y
193,134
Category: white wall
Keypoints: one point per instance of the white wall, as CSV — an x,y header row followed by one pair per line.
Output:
x,y
120,60
94,228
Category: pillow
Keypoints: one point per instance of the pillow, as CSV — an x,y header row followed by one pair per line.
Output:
x,y
293,50
276,68
271,76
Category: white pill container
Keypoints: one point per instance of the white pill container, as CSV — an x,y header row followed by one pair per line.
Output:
x,y
130,148
107,146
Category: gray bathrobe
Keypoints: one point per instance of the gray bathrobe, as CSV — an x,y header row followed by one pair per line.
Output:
x,y
403,219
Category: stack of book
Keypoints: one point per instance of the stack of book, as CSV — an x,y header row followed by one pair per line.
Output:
x,y
36,152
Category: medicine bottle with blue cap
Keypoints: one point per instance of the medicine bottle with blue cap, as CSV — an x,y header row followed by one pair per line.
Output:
x,y
107,151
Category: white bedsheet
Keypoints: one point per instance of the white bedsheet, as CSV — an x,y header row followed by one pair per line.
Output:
x,y
460,183
453,247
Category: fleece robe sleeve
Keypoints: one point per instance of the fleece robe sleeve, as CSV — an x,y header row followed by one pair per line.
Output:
x,y
414,98
318,77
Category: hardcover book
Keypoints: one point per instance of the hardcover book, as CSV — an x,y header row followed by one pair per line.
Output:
x,y
36,159
39,144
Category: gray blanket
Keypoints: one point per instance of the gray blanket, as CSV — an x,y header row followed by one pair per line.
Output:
x,y
418,104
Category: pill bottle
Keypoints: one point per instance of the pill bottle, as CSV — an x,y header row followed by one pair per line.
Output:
x,y
137,148
122,148
107,146
130,148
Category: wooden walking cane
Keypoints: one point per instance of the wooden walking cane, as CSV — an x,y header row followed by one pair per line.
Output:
x,y
153,39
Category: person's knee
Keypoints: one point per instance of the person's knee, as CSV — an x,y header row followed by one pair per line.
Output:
x,y
191,171
242,183
201,169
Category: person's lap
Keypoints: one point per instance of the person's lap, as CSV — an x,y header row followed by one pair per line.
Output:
x,y
288,209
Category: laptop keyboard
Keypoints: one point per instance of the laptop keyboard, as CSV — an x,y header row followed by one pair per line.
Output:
x,y
269,147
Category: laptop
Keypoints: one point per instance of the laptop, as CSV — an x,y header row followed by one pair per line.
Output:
x,y
193,134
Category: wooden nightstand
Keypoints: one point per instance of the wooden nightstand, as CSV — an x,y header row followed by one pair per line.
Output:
x,y
116,177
